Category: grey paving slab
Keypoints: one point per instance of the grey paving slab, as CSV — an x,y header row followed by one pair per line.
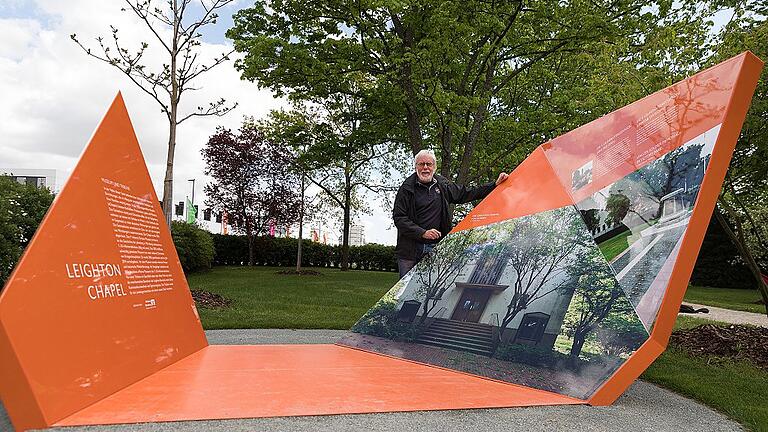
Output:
x,y
644,407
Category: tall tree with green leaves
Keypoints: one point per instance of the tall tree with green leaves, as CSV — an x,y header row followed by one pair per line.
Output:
x,y
597,298
334,151
743,203
476,80
22,208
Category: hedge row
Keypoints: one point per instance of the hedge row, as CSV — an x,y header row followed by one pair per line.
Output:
x,y
193,245
273,251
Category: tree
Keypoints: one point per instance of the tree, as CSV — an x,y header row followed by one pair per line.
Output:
x,y
539,249
250,181
334,152
681,167
22,208
591,219
474,79
617,205
166,83
596,296
744,198
437,271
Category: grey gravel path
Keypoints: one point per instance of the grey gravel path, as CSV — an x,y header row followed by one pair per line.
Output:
x,y
730,316
644,407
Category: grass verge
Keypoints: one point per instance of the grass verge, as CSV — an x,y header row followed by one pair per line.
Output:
x,y
615,245
263,299
734,299
737,389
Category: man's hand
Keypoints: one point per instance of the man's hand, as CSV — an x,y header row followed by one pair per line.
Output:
x,y
502,177
432,234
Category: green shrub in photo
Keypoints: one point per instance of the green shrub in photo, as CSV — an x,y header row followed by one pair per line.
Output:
x,y
381,320
530,354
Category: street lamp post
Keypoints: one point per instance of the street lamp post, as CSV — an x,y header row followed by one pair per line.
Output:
x,y
193,190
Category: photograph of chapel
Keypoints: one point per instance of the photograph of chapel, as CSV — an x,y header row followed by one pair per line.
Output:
x,y
529,300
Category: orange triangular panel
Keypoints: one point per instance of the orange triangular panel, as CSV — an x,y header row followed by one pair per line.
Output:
x,y
99,300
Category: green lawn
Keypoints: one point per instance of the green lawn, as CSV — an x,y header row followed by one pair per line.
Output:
x,y
736,388
735,299
264,299
614,246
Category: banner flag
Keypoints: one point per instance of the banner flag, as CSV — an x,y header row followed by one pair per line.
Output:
x,y
191,212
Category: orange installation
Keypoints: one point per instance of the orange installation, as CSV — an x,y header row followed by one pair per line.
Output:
x,y
97,324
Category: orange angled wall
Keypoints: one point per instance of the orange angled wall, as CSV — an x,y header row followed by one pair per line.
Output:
x,y
70,336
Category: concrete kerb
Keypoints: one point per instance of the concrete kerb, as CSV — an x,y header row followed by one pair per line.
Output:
x,y
644,407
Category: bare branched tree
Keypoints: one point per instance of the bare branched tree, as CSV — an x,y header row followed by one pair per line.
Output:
x,y
167,82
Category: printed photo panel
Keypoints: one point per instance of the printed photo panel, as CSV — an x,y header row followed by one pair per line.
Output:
x,y
556,286
530,301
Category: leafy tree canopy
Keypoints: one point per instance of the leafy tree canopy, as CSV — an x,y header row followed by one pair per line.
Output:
x,y
22,208
480,81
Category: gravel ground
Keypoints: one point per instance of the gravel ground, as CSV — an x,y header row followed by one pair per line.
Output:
x,y
644,407
730,316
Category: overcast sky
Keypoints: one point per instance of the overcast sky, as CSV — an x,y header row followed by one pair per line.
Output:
x,y
54,95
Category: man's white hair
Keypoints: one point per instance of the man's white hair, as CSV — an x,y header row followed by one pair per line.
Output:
x,y
425,152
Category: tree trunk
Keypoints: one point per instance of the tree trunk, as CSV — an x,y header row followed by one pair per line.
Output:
x,y
301,226
168,182
172,116
478,119
578,344
746,255
345,231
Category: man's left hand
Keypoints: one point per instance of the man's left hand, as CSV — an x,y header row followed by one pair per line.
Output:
x,y
502,177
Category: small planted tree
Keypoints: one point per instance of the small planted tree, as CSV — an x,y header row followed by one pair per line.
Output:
x,y
250,181
176,28
596,296
334,152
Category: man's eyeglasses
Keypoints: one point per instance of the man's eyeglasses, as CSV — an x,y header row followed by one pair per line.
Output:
x,y
425,164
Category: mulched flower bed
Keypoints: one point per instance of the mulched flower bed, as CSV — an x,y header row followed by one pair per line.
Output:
x,y
300,272
732,342
210,300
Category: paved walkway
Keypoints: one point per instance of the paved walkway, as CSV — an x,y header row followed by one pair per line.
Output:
x,y
644,407
729,316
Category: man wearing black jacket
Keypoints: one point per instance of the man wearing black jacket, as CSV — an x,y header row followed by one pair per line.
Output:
x,y
421,209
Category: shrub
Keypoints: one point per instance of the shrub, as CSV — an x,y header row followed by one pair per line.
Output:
x,y
194,246
22,208
381,320
530,354
281,252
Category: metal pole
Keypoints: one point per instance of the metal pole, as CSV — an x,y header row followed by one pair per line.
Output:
x,y
193,190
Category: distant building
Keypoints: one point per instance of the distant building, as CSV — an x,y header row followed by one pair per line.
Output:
x,y
356,235
34,177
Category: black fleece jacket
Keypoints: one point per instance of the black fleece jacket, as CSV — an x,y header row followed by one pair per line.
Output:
x,y
409,231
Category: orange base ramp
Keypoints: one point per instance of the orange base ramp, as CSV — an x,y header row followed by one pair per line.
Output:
x,y
226,382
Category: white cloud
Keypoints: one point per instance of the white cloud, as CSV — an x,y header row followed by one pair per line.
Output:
x,y
54,96
17,35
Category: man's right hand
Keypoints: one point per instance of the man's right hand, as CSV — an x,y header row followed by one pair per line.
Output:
x,y
431,234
